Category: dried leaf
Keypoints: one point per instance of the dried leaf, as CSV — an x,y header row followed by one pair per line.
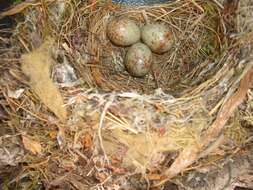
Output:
x,y
18,8
101,176
154,176
190,154
68,164
36,65
32,145
87,141
53,134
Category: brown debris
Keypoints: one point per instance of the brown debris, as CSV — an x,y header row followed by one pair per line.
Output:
x,y
32,145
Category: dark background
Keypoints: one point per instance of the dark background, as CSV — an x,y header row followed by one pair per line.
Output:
x,y
5,22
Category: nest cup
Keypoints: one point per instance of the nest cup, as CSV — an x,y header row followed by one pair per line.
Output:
x,y
197,38
135,122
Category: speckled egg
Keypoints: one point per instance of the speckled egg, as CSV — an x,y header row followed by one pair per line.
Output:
x,y
157,37
123,31
138,60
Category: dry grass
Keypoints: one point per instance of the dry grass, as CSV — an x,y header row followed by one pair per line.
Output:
x,y
118,125
196,35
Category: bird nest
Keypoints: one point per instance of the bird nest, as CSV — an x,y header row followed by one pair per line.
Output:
x,y
68,97
197,42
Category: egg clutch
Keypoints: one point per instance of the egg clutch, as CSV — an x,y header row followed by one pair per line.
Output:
x,y
141,42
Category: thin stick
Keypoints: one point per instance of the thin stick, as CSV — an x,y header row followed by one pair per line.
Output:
x,y
197,5
116,118
122,125
191,153
107,105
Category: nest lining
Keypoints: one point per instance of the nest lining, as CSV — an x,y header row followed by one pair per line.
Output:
x,y
197,38
199,42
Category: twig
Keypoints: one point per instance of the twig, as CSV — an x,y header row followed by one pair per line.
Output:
x,y
197,5
107,105
190,154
